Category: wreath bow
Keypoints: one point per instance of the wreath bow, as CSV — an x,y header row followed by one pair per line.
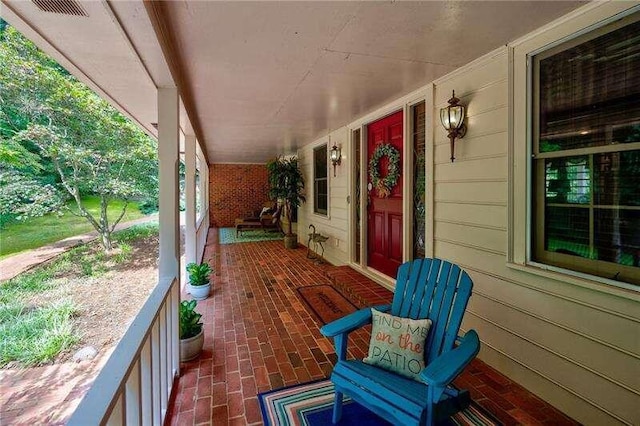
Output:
x,y
385,185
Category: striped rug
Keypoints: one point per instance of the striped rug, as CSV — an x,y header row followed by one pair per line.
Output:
x,y
312,404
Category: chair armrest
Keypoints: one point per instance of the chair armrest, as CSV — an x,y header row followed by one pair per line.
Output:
x,y
351,322
442,370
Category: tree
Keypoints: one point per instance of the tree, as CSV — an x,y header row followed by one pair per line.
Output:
x,y
286,183
88,144
27,184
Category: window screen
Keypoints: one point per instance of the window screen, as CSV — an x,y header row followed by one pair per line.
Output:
x,y
586,153
320,181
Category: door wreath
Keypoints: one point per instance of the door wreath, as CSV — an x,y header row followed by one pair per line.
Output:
x,y
385,185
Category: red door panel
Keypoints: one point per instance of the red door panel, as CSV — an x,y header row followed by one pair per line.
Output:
x,y
395,246
378,229
385,214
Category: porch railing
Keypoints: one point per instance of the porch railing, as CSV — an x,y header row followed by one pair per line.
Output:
x,y
134,386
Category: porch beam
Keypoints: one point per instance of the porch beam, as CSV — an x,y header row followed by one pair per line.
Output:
x,y
168,158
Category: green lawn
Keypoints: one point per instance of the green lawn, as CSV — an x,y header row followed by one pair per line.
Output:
x,y
37,232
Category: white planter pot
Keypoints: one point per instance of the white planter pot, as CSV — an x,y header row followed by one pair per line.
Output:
x,y
190,348
199,292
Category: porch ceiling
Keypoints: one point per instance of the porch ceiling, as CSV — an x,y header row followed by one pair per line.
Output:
x,y
97,50
269,77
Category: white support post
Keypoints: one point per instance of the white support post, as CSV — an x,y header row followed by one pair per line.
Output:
x,y
169,264
146,382
175,329
190,242
168,157
133,401
206,187
117,416
156,390
206,190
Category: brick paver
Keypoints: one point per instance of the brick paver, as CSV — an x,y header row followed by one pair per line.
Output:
x,y
260,336
45,395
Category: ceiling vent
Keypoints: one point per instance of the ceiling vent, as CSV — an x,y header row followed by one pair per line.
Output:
x,y
64,7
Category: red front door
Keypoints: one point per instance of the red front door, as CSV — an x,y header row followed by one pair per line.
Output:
x,y
385,211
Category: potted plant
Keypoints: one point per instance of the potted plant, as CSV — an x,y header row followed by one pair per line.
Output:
x,y
191,331
199,285
286,184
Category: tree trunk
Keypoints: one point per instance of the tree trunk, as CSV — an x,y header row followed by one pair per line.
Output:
x,y
104,224
101,224
289,224
106,240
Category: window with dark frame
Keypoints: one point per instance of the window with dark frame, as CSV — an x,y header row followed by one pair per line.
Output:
x,y
586,153
198,189
418,133
320,180
358,189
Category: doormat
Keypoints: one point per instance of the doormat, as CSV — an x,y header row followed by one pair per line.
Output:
x,y
326,302
311,404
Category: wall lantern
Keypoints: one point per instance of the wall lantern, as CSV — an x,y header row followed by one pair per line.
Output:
x,y
452,118
335,155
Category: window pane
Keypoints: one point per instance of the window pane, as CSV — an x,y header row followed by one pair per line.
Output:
x,y
320,158
567,180
567,231
617,178
356,141
587,197
419,140
320,197
198,195
617,236
590,93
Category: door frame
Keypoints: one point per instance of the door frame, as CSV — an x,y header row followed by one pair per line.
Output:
x,y
404,104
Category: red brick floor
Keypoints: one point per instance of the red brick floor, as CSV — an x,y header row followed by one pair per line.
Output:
x,y
260,336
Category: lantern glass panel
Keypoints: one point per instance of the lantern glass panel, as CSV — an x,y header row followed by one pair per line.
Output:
x,y
335,154
456,116
444,118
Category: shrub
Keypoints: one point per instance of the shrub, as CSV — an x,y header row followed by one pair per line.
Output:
x,y
199,273
149,206
190,324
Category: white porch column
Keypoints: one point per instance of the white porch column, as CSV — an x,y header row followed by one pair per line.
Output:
x,y
190,239
168,158
204,173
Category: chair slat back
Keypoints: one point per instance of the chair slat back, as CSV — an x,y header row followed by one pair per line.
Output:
x,y
434,289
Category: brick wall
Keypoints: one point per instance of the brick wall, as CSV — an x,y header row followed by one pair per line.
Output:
x,y
235,190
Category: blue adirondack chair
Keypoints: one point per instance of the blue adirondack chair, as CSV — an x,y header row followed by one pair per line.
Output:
x,y
426,288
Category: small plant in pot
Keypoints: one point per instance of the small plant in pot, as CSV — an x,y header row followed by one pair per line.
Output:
x,y
191,332
199,285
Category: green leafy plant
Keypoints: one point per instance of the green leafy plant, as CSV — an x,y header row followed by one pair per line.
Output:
x,y
190,324
124,254
35,335
286,183
199,273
